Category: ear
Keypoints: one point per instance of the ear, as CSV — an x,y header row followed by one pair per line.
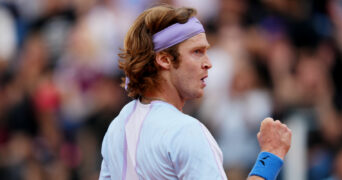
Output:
x,y
164,60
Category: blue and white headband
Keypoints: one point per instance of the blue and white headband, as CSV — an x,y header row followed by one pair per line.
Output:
x,y
176,33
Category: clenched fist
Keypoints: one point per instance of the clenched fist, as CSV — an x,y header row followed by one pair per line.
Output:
x,y
274,137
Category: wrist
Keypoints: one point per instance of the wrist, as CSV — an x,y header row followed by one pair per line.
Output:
x,y
267,166
278,153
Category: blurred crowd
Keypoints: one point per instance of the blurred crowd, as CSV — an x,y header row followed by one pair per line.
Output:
x,y
60,83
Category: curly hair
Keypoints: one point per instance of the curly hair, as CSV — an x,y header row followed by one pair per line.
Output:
x,y
138,56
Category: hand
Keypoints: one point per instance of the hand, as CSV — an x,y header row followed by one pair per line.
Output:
x,y
274,137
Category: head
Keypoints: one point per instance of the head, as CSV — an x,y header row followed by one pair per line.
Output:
x,y
142,61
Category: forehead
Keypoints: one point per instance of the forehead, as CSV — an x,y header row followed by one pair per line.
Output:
x,y
198,41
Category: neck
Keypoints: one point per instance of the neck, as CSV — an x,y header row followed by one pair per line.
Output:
x,y
166,95
148,100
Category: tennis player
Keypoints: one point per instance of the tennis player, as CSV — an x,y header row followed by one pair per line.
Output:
x,y
165,62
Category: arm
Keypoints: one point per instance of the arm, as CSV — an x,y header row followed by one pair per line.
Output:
x,y
255,178
274,137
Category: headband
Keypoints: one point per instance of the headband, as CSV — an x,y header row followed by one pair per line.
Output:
x,y
176,33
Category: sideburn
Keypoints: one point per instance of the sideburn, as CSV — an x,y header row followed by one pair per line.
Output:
x,y
173,51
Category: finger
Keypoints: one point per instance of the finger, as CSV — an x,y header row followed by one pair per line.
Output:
x,y
268,119
266,123
277,122
288,130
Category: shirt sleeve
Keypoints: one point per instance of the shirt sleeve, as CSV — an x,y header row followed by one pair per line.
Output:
x,y
104,173
195,154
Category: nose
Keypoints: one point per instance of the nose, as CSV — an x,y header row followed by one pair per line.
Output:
x,y
206,63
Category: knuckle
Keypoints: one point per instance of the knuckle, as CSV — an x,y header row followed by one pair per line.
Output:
x,y
268,119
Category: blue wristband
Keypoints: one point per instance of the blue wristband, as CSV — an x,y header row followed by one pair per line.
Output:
x,y
267,166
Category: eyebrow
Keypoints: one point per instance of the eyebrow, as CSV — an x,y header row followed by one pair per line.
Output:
x,y
207,46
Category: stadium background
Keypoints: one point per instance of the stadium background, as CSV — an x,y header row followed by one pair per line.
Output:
x,y
59,82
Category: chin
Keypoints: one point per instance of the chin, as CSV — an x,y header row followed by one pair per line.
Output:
x,y
199,94
194,94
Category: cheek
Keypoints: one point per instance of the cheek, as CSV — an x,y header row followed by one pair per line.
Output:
x,y
191,66
188,70
187,73
183,78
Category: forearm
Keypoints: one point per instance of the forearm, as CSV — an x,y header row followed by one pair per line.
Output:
x,y
255,178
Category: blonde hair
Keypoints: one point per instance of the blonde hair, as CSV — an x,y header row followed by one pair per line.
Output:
x,y
138,57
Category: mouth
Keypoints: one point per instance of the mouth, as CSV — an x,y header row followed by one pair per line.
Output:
x,y
204,81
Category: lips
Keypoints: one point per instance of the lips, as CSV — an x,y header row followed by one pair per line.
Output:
x,y
203,80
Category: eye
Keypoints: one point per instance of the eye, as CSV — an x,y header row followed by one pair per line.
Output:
x,y
198,51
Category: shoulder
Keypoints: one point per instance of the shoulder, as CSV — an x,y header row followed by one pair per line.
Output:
x,y
116,127
167,112
119,120
191,148
177,124
172,123
128,108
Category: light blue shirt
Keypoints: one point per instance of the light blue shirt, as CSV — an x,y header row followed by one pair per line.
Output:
x,y
171,145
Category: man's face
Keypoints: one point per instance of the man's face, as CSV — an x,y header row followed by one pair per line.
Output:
x,y
189,77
